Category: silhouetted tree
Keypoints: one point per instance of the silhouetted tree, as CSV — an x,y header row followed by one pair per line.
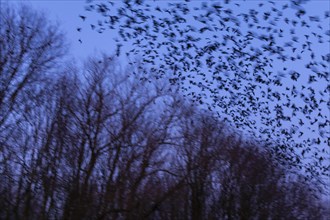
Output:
x,y
30,48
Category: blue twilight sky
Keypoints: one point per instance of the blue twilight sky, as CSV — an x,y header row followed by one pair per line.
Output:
x,y
67,14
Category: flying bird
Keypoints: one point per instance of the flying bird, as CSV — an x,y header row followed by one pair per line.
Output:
x,y
82,17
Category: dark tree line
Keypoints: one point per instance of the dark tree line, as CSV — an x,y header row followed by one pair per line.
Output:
x,y
98,143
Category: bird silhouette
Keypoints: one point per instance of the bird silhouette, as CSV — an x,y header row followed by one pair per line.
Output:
x,y
82,17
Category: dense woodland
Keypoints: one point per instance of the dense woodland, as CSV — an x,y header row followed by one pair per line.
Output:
x,y
96,142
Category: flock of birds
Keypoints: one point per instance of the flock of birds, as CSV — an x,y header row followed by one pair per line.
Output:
x,y
264,67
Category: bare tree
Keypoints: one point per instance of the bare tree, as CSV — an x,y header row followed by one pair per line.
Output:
x,y
30,48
